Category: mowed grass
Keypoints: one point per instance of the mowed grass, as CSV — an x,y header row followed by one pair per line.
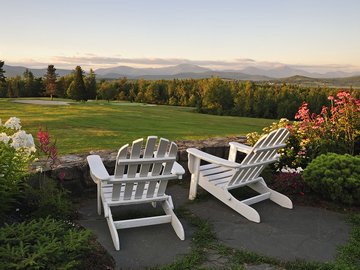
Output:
x,y
82,127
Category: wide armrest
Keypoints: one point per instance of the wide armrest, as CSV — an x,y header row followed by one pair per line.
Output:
x,y
97,168
212,159
178,170
241,147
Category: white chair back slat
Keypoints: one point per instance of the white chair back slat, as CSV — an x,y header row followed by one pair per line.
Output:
x,y
119,172
167,168
145,168
163,144
132,169
151,164
157,167
255,162
119,169
172,153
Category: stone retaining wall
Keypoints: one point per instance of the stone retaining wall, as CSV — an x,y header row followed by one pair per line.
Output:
x,y
73,170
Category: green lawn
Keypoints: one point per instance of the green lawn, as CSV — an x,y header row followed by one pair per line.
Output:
x,y
81,127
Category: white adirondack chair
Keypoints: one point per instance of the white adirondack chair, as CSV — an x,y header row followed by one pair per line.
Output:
x,y
221,175
138,179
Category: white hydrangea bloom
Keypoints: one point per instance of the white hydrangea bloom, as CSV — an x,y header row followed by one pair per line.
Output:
x,y
22,140
287,169
4,137
13,123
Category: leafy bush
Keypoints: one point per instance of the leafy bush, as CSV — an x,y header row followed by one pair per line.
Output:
x,y
336,177
289,183
48,199
43,244
17,150
335,129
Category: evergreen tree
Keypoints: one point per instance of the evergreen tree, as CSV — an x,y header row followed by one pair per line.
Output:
x,y
90,83
50,81
3,88
77,89
2,72
29,83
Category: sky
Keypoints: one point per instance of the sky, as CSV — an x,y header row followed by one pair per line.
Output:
x,y
315,35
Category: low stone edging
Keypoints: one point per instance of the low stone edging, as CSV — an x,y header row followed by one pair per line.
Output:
x,y
73,170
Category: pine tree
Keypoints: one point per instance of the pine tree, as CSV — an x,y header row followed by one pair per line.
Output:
x,y
78,89
2,72
50,81
90,82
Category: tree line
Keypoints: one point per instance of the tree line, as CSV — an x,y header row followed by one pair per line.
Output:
x,y
214,95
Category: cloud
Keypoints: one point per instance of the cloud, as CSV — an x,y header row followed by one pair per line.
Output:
x,y
100,61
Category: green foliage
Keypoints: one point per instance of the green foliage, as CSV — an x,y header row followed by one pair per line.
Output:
x,y
2,72
336,177
13,170
43,244
49,198
16,152
90,82
77,89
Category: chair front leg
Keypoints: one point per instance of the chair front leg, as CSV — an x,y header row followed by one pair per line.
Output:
x,y
98,184
194,167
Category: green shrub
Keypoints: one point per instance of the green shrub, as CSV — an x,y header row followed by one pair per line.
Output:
x,y
17,150
336,177
48,199
43,244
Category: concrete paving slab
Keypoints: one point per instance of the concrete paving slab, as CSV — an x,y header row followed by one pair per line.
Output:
x,y
307,233
141,247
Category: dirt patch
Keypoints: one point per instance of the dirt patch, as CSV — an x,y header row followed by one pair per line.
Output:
x,y
41,102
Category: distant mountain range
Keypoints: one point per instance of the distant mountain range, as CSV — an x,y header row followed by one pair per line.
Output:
x,y
185,71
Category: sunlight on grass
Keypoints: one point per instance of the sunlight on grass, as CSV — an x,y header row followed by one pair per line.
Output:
x,y
82,127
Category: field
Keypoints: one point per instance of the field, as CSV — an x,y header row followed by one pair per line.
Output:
x,y
81,127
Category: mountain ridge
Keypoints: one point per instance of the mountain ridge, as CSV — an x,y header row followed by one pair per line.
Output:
x,y
188,71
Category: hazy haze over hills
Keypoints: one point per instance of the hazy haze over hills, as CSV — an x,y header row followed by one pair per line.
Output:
x,y
188,71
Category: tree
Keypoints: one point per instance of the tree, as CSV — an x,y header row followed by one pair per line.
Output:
x,y
50,81
2,80
2,72
77,89
217,96
90,82
107,91
29,83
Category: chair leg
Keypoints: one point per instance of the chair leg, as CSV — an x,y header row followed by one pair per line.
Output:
x,y
99,197
226,197
275,196
175,222
242,208
113,231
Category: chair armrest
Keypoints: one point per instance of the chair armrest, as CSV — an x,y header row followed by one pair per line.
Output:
x,y
178,170
241,147
97,168
212,159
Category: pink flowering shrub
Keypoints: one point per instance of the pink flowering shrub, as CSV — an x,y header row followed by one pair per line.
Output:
x,y
335,129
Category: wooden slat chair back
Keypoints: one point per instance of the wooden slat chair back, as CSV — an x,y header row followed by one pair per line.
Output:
x,y
264,152
140,176
220,175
